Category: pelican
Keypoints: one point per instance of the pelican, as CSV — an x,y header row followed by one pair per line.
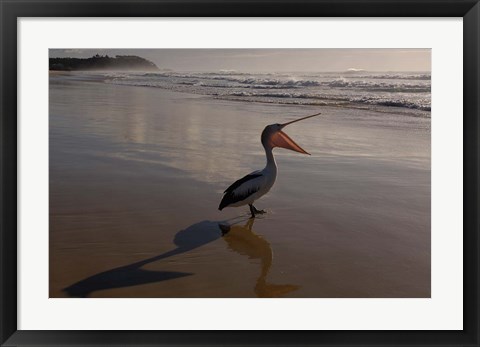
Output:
x,y
253,186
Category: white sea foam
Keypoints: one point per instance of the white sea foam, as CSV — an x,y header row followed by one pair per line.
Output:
x,y
352,88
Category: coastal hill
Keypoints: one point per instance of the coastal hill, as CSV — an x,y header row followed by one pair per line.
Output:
x,y
102,62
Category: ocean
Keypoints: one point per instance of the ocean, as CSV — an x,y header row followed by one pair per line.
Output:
x,y
407,92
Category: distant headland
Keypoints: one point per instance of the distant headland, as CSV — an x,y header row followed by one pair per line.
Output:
x,y
102,62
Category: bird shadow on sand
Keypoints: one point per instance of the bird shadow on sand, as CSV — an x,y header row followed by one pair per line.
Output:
x,y
240,239
194,236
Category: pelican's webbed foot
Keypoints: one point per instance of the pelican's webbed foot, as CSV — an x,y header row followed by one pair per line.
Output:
x,y
254,211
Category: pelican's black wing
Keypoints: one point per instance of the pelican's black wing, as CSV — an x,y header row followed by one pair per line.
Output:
x,y
230,197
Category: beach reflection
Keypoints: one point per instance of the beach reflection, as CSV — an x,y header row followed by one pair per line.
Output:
x,y
244,241
239,238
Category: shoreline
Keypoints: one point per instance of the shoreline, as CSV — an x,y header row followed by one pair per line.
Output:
x,y
99,76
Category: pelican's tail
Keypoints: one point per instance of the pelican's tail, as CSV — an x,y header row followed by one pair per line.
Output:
x,y
224,203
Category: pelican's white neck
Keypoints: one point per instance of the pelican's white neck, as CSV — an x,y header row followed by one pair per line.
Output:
x,y
271,164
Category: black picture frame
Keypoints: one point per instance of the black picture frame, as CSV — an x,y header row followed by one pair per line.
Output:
x,y
11,10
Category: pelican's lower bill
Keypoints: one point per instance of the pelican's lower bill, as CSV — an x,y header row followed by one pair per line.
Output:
x,y
137,173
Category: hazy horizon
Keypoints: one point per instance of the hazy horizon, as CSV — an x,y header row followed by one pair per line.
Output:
x,y
272,60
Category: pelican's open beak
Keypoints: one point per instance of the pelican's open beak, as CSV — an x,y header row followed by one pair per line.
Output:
x,y
280,139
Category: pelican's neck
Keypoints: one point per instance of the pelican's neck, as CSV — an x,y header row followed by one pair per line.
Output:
x,y
271,165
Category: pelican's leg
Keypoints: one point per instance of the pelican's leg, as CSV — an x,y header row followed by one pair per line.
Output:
x,y
252,210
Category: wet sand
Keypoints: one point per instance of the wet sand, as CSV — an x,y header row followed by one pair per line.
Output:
x,y
136,176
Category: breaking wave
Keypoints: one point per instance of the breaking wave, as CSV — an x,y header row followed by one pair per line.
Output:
x,y
401,90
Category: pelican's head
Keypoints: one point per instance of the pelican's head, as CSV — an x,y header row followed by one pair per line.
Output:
x,y
273,136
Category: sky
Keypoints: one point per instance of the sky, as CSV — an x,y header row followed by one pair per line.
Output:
x,y
271,60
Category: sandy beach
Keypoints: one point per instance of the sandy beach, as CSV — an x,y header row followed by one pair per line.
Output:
x,y
137,173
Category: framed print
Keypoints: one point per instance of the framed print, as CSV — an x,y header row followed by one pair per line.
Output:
x,y
258,173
